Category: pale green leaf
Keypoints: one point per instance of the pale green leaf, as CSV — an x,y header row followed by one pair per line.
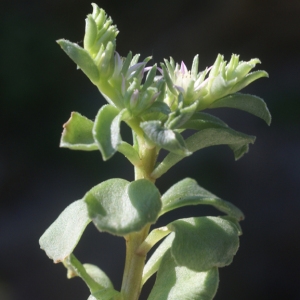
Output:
x,y
98,275
120,207
106,133
60,239
249,103
204,242
165,138
237,141
200,121
107,137
188,192
174,282
219,136
106,294
154,261
77,133
82,58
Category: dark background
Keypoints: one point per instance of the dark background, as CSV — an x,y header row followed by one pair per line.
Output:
x,y
40,87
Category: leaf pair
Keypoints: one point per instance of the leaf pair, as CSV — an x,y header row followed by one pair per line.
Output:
x,y
115,206
196,247
187,261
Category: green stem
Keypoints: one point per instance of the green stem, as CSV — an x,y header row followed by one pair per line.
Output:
x,y
134,265
135,261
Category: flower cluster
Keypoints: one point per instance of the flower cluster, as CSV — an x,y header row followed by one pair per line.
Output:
x,y
213,83
122,83
169,95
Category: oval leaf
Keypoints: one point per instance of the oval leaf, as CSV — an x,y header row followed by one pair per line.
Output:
x,y
120,207
106,137
204,242
249,103
165,138
60,239
81,57
77,133
188,192
174,282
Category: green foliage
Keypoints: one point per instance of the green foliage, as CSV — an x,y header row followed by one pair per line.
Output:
x,y
188,192
158,104
60,239
121,207
77,134
176,282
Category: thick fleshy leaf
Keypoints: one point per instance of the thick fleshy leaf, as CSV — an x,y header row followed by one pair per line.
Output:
x,y
60,239
154,261
200,121
174,282
237,141
77,133
188,192
165,138
81,57
106,130
204,242
98,275
106,139
121,207
249,103
106,294
220,136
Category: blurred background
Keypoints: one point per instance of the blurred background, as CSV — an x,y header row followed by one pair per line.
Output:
x,y
40,86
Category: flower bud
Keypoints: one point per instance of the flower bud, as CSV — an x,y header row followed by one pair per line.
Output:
x,y
128,94
148,97
90,33
105,62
